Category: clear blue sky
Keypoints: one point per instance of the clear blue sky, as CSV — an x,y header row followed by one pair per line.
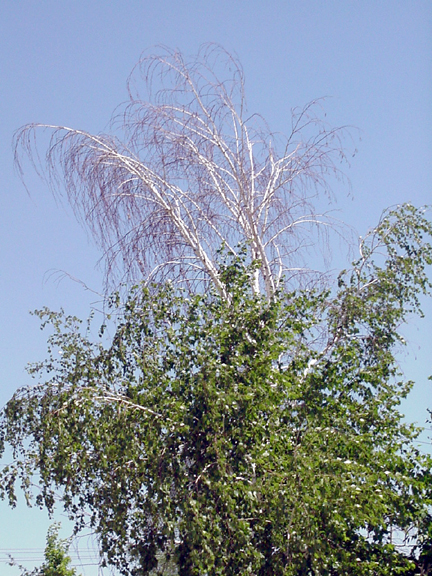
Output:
x,y
66,63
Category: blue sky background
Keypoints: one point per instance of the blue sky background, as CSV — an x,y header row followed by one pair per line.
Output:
x,y
67,62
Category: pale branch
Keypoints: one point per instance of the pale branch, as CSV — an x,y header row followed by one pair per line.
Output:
x,y
192,172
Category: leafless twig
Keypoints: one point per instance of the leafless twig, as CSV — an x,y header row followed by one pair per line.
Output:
x,y
192,172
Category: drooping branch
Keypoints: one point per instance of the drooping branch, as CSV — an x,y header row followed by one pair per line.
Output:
x,y
192,172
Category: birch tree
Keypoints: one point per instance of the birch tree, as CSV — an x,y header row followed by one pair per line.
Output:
x,y
187,169
214,437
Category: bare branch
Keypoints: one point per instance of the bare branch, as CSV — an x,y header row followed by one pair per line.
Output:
x,y
191,172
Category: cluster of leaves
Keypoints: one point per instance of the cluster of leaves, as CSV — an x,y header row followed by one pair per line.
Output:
x,y
57,562
241,435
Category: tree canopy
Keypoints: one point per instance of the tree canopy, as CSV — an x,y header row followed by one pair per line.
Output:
x,y
226,434
231,416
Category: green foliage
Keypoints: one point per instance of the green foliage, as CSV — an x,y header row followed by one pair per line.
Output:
x,y
239,436
56,557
